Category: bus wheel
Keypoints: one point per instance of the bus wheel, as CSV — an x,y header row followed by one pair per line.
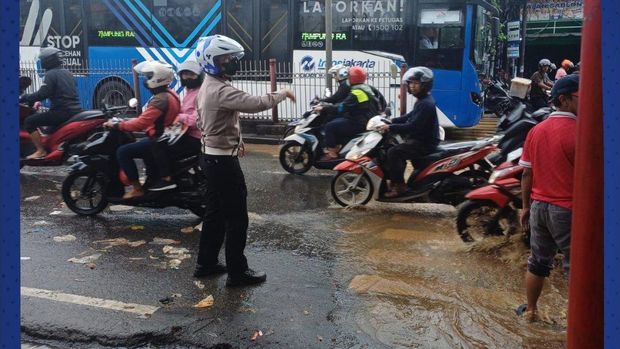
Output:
x,y
112,93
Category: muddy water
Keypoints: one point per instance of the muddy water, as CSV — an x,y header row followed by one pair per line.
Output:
x,y
422,287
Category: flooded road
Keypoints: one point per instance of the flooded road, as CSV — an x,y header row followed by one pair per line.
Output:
x,y
378,276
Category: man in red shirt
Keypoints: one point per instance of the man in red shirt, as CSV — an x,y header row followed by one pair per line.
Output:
x,y
547,183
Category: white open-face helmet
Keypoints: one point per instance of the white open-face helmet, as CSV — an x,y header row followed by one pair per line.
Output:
x,y
210,47
339,71
157,73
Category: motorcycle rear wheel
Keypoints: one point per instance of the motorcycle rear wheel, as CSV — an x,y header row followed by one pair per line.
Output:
x,y
346,195
88,188
295,158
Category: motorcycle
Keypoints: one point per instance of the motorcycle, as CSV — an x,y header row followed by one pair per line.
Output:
x,y
96,179
303,147
492,210
444,176
64,140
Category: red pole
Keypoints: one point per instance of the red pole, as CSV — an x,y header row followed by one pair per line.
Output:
x,y
403,91
136,85
274,87
585,297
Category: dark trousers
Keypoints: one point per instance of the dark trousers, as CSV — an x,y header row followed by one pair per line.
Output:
x,y
539,102
398,155
164,155
341,130
226,214
138,150
48,118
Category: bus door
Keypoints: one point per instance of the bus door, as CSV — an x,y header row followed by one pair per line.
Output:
x,y
443,42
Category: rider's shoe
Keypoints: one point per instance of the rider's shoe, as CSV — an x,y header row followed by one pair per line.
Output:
x,y
162,185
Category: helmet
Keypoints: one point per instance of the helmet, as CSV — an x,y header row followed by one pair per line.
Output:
x,y
544,62
213,46
357,75
566,85
157,73
50,57
339,71
553,67
422,74
566,64
194,67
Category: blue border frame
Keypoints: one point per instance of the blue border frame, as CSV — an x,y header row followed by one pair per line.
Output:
x,y
9,176
610,55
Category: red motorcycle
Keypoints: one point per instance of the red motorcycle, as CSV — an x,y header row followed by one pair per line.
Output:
x,y
63,140
492,210
443,177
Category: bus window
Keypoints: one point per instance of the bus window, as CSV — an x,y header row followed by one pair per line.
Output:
x,y
274,30
440,38
239,21
179,23
482,41
105,28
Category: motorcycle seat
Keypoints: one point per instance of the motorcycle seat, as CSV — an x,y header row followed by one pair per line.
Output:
x,y
84,115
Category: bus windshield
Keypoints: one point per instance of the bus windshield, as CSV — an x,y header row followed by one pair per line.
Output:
x,y
440,37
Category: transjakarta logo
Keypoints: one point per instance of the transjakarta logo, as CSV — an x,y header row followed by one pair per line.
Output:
x,y
368,64
307,63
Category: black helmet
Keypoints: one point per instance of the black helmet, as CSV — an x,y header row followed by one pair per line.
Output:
x,y
422,74
50,57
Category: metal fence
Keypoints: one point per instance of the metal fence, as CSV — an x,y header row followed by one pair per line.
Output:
x,y
112,82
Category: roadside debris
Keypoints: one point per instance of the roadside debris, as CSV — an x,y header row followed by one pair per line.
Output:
x,y
32,198
199,284
205,303
120,242
91,266
174,263
120,208
55,213
187,230
85,260
257,333
319,338
176,254
37,223
170,299
65,238
162,241
137,227
28,258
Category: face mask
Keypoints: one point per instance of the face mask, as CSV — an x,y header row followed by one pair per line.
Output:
x,y
190,83
231,67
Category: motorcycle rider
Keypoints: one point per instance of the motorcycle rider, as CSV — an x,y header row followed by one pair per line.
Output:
x,y
219,106
191,76
341,74
60,87
540,84
565,68
362,103
420,129
162,109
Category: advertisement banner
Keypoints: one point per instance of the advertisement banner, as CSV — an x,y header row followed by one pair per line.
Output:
x,y
556,10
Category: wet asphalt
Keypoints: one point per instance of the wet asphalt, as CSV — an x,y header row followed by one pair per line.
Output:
x,y
323,263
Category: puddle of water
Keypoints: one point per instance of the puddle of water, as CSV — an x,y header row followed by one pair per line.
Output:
x,y
422,287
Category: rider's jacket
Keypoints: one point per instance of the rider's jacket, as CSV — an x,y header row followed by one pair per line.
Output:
x,y
60,87
160,112
420,124
362,103
341,93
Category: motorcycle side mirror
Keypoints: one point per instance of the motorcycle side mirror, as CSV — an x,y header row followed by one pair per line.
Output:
x,y
328,92
24,83
133,103
388,111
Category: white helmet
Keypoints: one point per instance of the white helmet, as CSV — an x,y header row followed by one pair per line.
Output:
x,y
157,73
216,45
339,71
191,66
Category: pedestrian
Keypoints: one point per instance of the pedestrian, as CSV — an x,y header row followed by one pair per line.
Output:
x,y
226,215
541,84
547,184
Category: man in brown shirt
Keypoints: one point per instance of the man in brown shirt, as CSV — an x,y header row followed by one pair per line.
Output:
x,y
219,105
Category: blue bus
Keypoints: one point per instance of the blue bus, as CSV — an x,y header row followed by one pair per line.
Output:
x,y
100,37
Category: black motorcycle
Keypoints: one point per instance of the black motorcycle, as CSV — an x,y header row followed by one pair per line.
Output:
x,y
96,179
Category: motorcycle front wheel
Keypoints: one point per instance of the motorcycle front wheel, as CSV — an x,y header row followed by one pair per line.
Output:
x,y
84,192
347,190
295,158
